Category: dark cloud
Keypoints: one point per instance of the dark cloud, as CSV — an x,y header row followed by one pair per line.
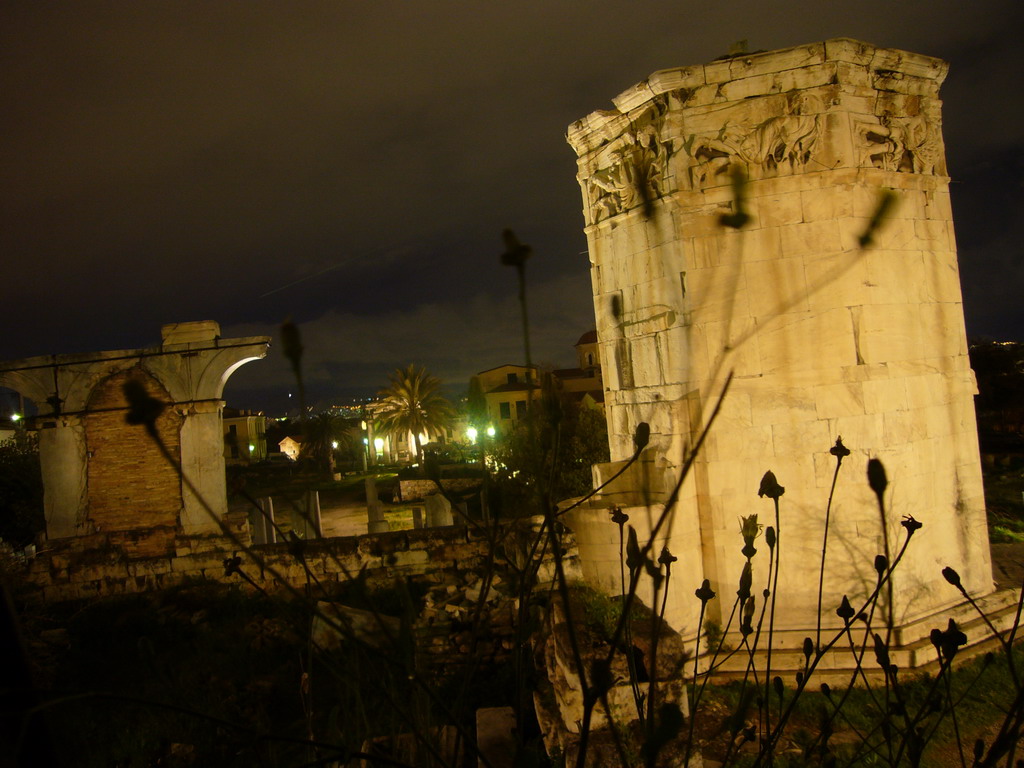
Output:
x,y
352,165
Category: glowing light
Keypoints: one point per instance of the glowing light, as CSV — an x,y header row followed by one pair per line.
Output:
x,y
490,431
378,443
471,433
334,444
366,441
252,448
362,425
15,417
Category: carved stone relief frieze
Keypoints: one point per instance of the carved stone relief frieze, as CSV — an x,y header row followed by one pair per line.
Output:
x,y
779,145
668,148
635,166
902,144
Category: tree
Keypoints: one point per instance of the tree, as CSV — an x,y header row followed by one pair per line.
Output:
x,y
999,370
21,490
476,403
565,440
413,404
323,431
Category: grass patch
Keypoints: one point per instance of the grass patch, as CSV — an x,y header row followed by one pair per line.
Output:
x,y
1004,501
980,689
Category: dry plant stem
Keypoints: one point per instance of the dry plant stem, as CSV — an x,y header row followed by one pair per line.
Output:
x,y
630,661
620,748
889,608
715,664
563,591
634,685
521,275
824,548
693,685
901,707
788,711
699,692
772,566
632,460
493,539
1005,741
652,687
1007,648
774,575
858,671
785,305
297,594
669,507
1016,620
526,583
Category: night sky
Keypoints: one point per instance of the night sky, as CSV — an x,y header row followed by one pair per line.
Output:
x,y
352,165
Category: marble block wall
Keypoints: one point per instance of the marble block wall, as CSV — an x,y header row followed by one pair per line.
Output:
x,y
825,336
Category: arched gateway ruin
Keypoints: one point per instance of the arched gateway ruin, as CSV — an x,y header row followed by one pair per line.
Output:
x,y
107,483
826,335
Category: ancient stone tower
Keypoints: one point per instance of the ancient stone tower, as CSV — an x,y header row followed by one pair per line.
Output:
x,y
825,333
106,483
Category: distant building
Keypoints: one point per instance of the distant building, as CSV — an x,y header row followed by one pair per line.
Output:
x,y
585,383
508,388
245,436
291,447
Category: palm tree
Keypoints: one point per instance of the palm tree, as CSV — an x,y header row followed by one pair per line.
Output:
x,y
412,404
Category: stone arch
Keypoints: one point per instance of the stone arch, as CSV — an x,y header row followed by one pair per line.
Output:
x,y
132,487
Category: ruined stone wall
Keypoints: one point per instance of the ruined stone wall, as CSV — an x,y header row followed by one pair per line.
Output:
x,y
104,476
417,490
458,621
450,555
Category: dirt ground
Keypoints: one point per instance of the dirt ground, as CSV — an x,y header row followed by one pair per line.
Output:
x,y
1008,564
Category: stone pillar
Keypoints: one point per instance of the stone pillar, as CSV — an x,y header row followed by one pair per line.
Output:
x,y
261,522
827,334
439,511
374,512
202,464
63,460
